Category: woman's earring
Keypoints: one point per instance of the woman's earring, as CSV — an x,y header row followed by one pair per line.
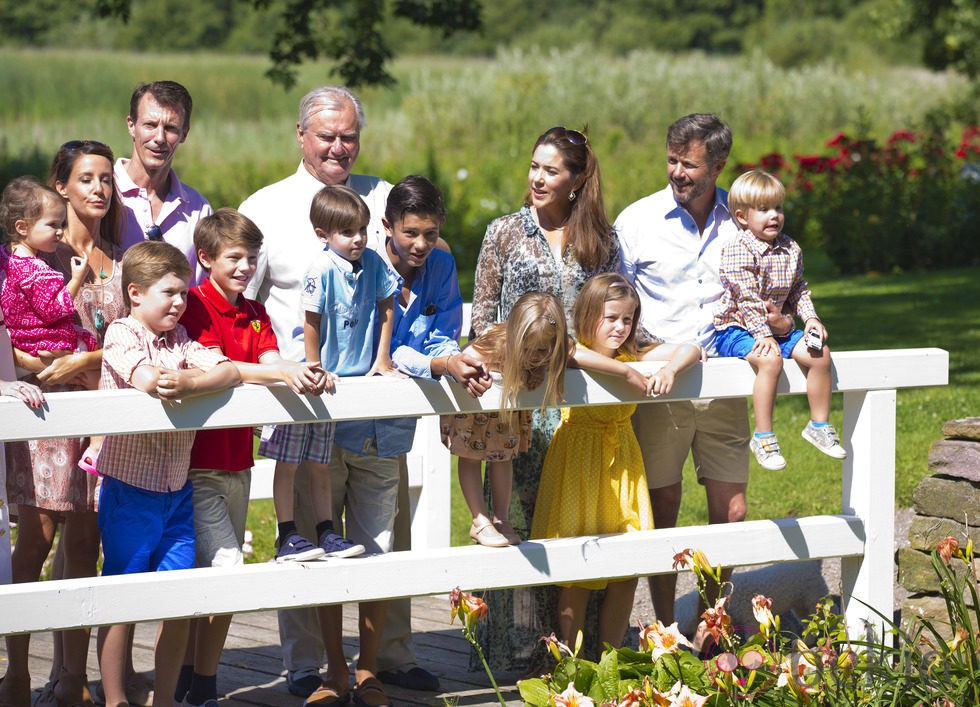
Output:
x,y
571,196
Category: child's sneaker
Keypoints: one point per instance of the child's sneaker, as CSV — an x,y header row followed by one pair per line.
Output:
x,y
334,545
825,439
766,450
296,548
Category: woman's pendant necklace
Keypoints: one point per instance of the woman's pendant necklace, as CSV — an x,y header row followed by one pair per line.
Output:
x,y
98,318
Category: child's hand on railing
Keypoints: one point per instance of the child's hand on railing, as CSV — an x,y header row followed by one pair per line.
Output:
x,y
469,371
302,377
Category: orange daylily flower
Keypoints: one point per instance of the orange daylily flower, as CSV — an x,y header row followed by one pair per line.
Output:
x,y
947,548
660,639
682,559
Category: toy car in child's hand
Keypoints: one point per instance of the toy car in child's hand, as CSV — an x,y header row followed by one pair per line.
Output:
x,y
813,340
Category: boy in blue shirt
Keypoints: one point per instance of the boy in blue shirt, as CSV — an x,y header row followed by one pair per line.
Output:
x,y
346,290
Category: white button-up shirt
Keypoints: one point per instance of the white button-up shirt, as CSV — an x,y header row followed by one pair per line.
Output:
x,y
673,266
289,246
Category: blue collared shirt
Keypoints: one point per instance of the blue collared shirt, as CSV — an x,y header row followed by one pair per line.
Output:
x,y
428,327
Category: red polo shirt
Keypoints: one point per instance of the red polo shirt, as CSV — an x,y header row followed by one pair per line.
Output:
x,y
242,332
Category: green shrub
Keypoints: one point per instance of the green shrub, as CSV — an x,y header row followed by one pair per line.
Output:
x,y
910,203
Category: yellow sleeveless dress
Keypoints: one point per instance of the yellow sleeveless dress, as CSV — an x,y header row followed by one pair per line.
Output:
x,y
593,481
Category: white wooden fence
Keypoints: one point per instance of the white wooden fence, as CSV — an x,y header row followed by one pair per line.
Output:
x,y
862,534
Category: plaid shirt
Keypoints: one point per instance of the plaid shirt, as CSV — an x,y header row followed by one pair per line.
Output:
x,y
155,461
754,272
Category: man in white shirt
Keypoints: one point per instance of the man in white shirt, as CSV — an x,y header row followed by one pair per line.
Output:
x,y
328,132
671,244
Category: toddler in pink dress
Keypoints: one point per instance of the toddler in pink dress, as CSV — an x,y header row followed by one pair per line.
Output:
x,y
38,307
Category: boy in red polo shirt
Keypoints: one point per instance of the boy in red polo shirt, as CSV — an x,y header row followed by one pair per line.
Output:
x,y
221,318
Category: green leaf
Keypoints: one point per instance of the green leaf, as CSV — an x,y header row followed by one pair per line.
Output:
x,y
534,692
606,687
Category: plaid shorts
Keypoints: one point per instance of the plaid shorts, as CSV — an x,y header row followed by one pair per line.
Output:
x,y
295,444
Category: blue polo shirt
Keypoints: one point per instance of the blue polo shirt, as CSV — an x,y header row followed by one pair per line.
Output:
x,y
347,302
428,327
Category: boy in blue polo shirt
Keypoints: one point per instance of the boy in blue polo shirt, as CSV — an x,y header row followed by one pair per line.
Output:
x,y
347,289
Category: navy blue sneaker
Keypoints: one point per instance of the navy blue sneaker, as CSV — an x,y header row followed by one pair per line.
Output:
x,y
334,545
296,548
302,683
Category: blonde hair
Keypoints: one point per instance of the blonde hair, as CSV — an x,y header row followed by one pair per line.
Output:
x,y
590,307
147,262
536,322
755,188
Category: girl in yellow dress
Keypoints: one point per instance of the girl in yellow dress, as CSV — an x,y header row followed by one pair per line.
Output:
x,y
593,482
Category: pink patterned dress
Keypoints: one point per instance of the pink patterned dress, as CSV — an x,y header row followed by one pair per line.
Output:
x,y
43,473
38,309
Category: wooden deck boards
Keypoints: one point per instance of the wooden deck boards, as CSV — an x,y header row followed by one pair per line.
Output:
x,y
251,672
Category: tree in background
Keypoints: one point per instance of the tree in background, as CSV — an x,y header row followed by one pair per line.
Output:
x,y
950,28
349,31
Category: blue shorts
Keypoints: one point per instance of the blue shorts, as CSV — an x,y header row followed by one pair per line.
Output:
x,y
736,342
145,531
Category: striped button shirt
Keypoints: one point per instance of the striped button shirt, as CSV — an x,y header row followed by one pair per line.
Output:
x,y
754,272
156,461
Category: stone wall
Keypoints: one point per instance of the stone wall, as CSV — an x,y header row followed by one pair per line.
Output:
x,y
946,503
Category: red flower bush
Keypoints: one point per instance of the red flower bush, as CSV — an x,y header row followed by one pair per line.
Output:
x,y
910,203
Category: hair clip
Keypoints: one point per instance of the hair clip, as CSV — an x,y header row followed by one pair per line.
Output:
x,y
551,320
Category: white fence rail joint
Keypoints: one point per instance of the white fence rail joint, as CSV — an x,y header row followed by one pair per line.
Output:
x,y
862,535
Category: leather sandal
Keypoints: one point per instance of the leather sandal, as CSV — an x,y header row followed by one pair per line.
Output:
x,y
370,693
485,534
328,693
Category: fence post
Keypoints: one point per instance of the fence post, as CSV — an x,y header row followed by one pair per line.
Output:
x,y
868,491
429,486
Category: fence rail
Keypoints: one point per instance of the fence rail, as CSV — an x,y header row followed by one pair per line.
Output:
x,y
862,534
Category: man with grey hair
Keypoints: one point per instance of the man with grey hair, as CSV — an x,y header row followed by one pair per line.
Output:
x,y
328,132
671,244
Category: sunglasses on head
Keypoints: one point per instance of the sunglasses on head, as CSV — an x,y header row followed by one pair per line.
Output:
x,y
573,136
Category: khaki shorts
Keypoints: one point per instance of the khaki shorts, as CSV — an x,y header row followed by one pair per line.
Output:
x,y
220,511
715,431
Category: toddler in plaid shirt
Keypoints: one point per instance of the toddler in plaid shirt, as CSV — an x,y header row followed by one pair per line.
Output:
x,y
765,265
145,507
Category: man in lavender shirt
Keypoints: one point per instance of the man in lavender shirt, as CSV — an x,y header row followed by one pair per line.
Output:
x,y
159,206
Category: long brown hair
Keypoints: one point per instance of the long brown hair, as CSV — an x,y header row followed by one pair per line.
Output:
x,y
536,322
588,229
61,168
